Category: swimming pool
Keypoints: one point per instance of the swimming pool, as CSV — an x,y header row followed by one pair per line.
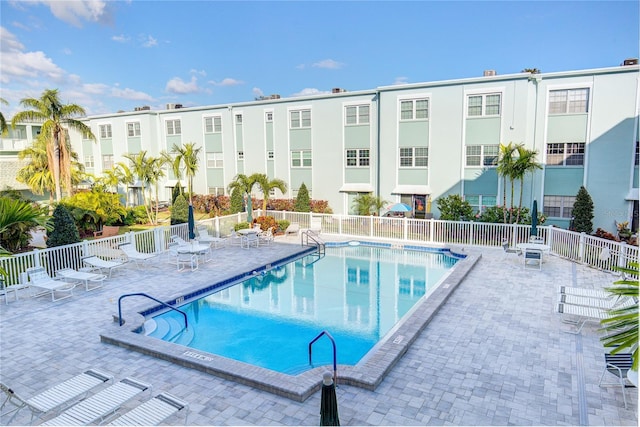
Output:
x,y
357,293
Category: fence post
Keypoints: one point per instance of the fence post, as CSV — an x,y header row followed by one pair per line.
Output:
x,y
405,228
581,247
550,236
36,260
432,225
85,247
371,225
216,223
514,235
158,239
622,257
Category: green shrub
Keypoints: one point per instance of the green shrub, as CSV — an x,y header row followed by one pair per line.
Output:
x,y
180,211
454,208
241,226
303,203
283,224
583,212
237,201
266,222
64,231
136,215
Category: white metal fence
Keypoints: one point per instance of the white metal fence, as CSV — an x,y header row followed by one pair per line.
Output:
x,y
579,247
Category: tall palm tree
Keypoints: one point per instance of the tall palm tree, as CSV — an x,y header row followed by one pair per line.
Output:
x,y
187,155
156,171
266,185
175,164
141,166
125,176
243,183
505,170
3,122
524,164
56,119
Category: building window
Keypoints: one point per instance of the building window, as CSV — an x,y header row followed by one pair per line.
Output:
x,y
358,157
212,125
133,129
637,160
217,191
559,206
414,157
268,116
174,127
238,119
107,162
88,161
483,105
482,155
414,109
240,155
480,202
301,159
357,114
214,160
569,101
565,154
105,131
85,135
300,119
270,155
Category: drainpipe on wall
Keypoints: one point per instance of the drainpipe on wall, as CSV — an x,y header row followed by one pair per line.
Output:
x,y
378,143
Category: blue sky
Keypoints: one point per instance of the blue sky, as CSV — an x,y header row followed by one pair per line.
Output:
x,y
115,55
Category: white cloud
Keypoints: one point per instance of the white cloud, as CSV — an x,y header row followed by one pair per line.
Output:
x,y
257,92
131,94
309,91
17,65
67,51
226,82
95,88
177,85
329,64
148,41
8,41
198,72
120,38
400,81
77,11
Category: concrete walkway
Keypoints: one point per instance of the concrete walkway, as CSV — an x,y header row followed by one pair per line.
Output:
x,y
495,354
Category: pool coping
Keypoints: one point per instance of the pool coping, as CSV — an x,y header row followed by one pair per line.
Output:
x,y
367,374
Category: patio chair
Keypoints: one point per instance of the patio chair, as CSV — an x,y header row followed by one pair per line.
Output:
x,y
203,236
95,409
293,228
266,237
39,278
581,315
249,240
133,255
532,256
509,250
99,264
234,238
152,412
536,239
179,240
6,290
57,397
619,365
172,252
91,280
187,258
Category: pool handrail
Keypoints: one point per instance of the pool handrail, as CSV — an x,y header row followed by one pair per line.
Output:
x,y
333,343
142,294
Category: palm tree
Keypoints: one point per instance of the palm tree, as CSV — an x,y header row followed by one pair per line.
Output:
x,y
20,214
3,122
141,166
125,176
524,164
156,171
175,164
188,156
365,203
36,174
505,169
55,117
266,185
244,184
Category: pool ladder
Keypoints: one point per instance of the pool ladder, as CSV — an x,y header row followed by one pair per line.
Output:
x,y
333,343
142,294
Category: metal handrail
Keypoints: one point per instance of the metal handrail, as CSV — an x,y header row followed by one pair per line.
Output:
x,y
142,294
318,242
333,343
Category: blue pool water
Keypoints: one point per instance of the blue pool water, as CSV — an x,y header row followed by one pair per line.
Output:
x,y
355,293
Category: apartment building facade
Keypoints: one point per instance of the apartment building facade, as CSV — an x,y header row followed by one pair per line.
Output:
x,y
412,143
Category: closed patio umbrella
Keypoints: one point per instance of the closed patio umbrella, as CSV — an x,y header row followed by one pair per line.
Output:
x,y
328,402
534,219
192,224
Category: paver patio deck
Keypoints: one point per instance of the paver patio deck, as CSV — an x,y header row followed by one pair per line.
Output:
x,y
495,354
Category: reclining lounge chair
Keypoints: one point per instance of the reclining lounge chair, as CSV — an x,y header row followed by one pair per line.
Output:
x,y
39,278
100,264
133,255
152,412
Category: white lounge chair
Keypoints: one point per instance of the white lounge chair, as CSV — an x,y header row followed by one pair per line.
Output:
x,y
590,293
96,408
293,228
57,397
316,225
100,264
203,236
581,314
613,302
152,412
133,255
39,278
91,280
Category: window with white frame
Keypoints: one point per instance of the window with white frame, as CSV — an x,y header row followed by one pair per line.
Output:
x,y
270,155
240,155
217,191
480,202
358,157
565,154
213,124
88,161
417,157
107,161
483,105
356,114
214,160
268,117
301,159
300,119
569,101
105,131
238,119
133,129
174,127
414,109
559,206
482,155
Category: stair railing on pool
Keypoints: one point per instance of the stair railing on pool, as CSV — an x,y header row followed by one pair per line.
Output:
x,y
142,294
333,343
